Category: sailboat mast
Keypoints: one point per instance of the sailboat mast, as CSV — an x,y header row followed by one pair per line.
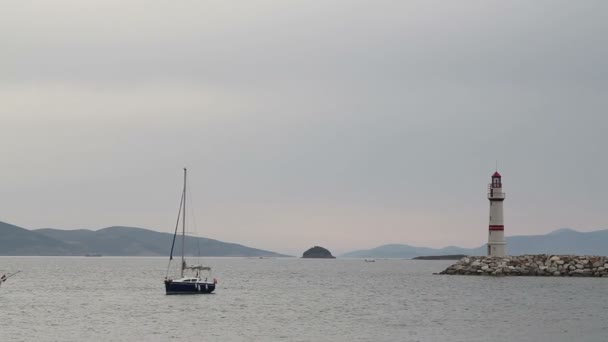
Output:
x,y
184,226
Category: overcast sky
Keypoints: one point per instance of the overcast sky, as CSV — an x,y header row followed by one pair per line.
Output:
x,y
346,124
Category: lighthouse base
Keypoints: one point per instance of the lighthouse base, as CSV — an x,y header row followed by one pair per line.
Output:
x,y
497,249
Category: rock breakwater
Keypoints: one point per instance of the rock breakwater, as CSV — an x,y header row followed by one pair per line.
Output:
x,y
532,265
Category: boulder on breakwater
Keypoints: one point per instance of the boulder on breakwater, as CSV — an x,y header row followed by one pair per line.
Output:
x,y
532,265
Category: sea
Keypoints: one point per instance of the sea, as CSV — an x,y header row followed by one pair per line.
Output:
x,y
292,299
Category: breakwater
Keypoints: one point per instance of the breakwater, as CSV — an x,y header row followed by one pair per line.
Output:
x,y
532,265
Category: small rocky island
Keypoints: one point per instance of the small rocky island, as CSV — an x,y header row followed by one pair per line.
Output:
x,y
532,265
318,252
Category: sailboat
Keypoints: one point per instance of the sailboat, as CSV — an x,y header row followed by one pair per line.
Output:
x,y
4,277
193,283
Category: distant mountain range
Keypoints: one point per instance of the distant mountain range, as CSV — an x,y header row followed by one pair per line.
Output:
x,y
129,241
113,241
561,241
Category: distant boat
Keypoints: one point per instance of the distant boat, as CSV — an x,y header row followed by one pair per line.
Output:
x,y
193,284
92,255
5,277
370,260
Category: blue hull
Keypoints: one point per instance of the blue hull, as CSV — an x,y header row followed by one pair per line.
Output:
x,y
188,288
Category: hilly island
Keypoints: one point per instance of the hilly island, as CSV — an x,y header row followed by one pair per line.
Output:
x,y
112,241
561,241
130,241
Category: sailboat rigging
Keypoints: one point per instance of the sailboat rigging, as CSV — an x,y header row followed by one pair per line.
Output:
x,y
5,277
193,284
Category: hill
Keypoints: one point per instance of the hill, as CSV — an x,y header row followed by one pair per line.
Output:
x,y
19,241
113,241
441,257
561,241
408,252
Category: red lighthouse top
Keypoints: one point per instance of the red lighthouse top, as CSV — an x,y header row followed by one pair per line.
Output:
x,y
496,180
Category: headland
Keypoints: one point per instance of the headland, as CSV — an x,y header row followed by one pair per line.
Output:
x,y
440,257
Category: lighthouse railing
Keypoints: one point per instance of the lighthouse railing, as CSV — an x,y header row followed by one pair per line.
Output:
x,y
495,192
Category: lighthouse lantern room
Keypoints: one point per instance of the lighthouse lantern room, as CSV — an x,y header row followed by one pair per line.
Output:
x,y
496,237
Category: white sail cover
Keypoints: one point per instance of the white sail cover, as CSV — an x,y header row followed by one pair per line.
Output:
x,y
198,268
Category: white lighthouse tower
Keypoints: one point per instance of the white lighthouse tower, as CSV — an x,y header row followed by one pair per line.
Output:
x,y
496,238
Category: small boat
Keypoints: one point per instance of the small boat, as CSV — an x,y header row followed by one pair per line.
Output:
x,y
187,284
370,260
5,277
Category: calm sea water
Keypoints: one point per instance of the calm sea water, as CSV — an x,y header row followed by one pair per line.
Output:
x,y
122,299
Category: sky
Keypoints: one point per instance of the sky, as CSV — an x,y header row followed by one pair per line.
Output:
x,y
345,124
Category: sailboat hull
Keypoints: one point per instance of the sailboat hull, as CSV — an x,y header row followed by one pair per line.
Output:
x,y
174,287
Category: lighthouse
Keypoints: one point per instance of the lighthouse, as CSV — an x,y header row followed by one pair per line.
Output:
x,y
496,237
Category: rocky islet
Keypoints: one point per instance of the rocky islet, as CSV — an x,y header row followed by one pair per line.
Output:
x,y
318,252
